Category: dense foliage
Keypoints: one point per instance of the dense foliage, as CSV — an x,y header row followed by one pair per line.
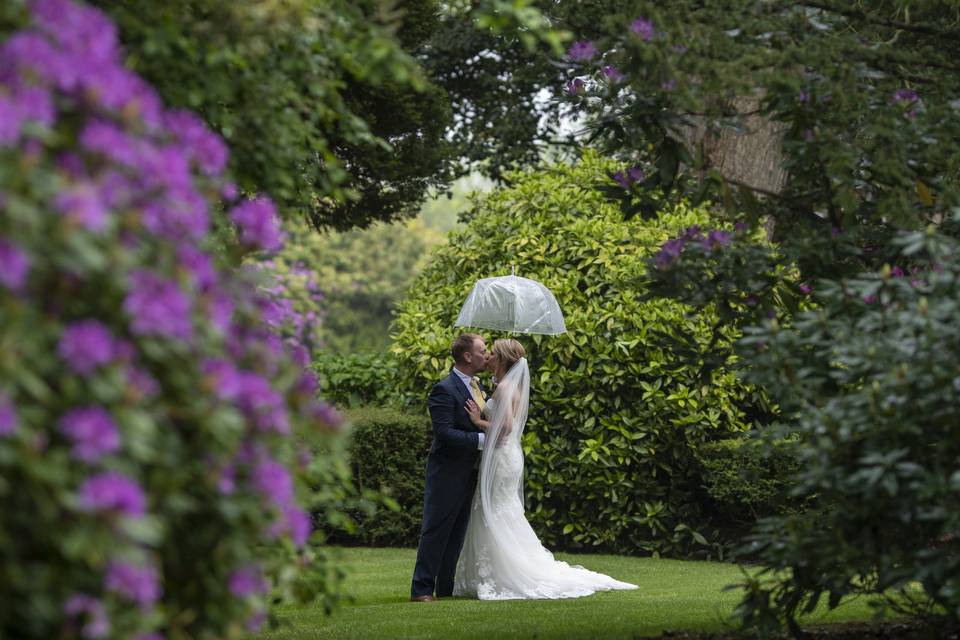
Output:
x,y
616,418
363,379
388,454
748,480
148,418
867,383
862,102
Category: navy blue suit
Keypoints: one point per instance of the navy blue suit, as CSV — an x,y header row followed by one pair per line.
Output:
x,y
448,492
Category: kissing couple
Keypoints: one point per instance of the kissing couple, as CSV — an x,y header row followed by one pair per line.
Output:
x,y
475,540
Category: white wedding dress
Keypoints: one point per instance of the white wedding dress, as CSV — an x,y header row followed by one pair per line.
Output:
x,y
502,558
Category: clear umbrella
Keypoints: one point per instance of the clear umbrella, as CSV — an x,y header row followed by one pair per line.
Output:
x,y
512,303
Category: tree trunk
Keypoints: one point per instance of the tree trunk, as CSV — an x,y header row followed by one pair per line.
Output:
x,y
752,157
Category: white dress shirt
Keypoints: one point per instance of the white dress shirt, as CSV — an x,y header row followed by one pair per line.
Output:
x,y
466,382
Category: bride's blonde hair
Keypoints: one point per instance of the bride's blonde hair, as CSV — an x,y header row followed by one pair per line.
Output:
x,y
509,351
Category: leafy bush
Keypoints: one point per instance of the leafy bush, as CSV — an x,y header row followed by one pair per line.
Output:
x,y
616,418
147,418
388,454
360,379
364,273
867,383
748,480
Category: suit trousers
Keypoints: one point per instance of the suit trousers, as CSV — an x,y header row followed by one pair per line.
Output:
x,y
441,539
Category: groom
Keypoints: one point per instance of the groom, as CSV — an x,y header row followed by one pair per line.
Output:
x,y
451,471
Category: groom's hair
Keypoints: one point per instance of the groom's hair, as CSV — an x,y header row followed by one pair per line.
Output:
x,y
462,344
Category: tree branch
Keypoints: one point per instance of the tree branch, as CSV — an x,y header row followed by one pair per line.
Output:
x,y
950,34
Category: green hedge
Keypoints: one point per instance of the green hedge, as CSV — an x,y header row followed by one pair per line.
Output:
x,y
388,454
617,416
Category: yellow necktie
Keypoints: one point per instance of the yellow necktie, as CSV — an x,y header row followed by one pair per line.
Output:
x,y
477,395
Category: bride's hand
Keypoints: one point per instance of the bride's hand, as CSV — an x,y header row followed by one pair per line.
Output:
x,y
474,412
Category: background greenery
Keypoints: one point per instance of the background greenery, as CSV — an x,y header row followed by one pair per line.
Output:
x,y
345,286
615,419
748,480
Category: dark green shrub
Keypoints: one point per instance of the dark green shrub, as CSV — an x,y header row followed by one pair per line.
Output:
x,y
388,453
868,385
747,479
616,417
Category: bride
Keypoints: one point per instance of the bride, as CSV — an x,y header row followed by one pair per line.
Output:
x,y
502,558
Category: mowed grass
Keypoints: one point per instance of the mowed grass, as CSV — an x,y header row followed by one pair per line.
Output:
x,y
673,595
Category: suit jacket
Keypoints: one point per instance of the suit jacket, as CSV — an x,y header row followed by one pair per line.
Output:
x,y
455,448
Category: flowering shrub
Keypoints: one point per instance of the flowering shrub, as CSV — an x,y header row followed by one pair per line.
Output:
x,y
829,135
148,417
294,310
731,272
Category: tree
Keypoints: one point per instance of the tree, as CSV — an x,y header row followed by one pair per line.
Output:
x,y
299,91
863,98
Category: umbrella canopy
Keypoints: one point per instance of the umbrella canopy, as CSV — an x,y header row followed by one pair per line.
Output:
x,y
512,303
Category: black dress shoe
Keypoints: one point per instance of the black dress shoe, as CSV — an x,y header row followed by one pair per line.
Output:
x,y
422,599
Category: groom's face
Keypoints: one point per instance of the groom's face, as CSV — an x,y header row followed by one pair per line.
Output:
x,y
478,356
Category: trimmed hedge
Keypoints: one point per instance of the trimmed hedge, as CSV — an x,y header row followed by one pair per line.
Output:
x,y
388,453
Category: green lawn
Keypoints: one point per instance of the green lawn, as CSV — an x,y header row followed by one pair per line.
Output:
x,y
673,595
